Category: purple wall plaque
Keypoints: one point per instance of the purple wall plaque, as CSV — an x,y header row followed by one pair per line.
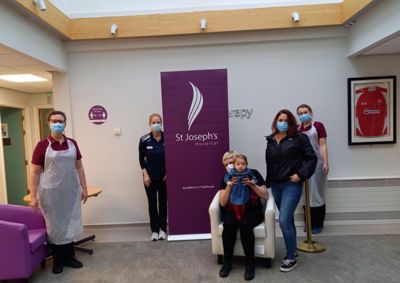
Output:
x,y
97,114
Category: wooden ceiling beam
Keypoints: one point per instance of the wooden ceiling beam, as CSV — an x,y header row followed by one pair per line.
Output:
x,y
217,22
315,15
350,8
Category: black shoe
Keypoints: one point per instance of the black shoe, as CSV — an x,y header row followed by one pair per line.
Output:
x,y
296,255
74,263
58,266
249,272
225,270
316,230
288,265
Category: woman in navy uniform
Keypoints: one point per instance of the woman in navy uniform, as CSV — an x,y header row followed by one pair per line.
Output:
x,y
152,162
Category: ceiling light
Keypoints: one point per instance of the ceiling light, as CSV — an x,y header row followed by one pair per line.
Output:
x,y
23,78
114,29
41,4
203,24
296,17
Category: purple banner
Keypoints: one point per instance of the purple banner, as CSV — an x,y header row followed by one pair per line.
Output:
x,y
195,107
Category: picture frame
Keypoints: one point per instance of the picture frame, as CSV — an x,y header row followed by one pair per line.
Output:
x,y
371,110
4,131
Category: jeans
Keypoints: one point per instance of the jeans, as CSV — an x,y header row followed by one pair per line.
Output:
x,y
287,196
157,211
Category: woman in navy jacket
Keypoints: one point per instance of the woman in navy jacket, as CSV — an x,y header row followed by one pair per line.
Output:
x,y
290,160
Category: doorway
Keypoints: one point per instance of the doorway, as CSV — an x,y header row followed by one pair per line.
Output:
x,y
15,162
44,128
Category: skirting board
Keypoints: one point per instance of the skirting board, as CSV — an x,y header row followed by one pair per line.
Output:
x,y
352,222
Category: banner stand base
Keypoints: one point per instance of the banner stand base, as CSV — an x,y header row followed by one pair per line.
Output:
x,y
189,237
310,247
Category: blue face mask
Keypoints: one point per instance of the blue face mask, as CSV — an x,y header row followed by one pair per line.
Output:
x,y
282,126
304,118
156,127
57,128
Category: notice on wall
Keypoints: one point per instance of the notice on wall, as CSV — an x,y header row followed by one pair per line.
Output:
x,y
4,131
97,114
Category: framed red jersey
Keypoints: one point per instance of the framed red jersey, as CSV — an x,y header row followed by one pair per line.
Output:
x,y
371,110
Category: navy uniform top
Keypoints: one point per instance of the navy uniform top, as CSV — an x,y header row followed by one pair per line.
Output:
x,y
152,156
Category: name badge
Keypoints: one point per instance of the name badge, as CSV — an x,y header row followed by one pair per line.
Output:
x,y
149,147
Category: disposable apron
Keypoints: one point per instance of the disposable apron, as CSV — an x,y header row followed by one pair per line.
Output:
x,y
60,195
317,182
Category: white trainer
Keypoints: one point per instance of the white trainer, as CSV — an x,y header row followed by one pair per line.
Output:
x,y
162,235
154,236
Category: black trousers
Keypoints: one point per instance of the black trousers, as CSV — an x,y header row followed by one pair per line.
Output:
x,y
250,219
64,252
157,211
317,216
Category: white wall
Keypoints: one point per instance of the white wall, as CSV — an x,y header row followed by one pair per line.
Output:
x,y
44,99
264,74
374,27
37,101
27,36
30,103
11,97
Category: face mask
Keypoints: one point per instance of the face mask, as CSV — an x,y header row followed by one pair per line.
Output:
x,y
304,118
57,128
156,127
282,126
229,167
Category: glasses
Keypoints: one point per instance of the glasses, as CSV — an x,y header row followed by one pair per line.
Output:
x,y
57,121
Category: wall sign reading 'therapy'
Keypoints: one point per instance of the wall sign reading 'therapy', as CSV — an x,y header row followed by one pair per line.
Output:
x,y
97,114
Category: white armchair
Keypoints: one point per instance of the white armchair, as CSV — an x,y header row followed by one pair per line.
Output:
x,y
264,233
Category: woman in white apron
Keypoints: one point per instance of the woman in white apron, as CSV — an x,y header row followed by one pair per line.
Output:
x,y
317,134
58,184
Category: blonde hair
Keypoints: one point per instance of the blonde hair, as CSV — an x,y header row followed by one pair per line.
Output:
x,y
241,157
154,115
229,154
